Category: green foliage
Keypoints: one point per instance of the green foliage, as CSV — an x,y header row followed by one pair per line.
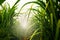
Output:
x,y
7,21
46,18
1,1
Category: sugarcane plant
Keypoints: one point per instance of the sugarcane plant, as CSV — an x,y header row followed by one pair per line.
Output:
x,y
47,17
7,20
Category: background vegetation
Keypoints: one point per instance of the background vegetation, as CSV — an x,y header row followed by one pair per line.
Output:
x,y
46,20
7,21
44,24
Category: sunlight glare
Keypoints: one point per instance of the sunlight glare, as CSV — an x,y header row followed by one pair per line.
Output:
x,y
22,19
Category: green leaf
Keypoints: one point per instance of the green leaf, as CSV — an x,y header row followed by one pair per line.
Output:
x,y
36,2
35,33
1,1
